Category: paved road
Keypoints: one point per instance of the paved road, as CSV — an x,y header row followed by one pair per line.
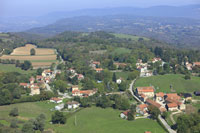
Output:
x,y
166,125
131,90
48,87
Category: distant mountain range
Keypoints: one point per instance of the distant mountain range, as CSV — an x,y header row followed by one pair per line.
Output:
x,y
24,23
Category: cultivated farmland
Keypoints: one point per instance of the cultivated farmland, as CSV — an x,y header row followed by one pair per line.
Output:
x,y
43,57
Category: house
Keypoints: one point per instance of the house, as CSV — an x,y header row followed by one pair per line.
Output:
x,y
80,77
32,80
46,73
155,104
35,90
71,70
154,60
119,81
147,91
147,132
172,107
189,66
187,96
173,96
39,78
73,105
142,109
25,85
84,93
122,65
196,64
56,100
177,101
75,87
159,97
98,70
124,115
197,93
59,107
143,97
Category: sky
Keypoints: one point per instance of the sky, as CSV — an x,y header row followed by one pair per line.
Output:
x,y
14,8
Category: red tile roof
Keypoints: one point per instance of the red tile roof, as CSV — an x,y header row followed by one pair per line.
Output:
x,y
197,63
173,96
145,89
72,102
126,112
160,94
172,105
55,99
151,102
142,106
23,84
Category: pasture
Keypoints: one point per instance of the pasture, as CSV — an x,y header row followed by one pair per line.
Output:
x,y
162,83
89,120
135,38
12,68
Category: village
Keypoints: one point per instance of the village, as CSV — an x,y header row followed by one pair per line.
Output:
x,y
145,95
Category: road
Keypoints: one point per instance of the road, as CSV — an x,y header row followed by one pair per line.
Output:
x,y
131,90
166,125
159,117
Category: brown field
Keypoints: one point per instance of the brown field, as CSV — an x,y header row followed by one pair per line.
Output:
x,y
43,58
26,50
31,58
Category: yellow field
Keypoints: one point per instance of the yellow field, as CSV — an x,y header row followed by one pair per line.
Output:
x,y
43,57
26,50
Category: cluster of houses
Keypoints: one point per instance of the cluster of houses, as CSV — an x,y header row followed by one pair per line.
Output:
x,y
69,105
96,66
35,84
74,74
190,66
162,101
82,93
143,67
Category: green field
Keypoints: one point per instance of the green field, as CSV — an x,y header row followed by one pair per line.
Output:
x,y
12,68
89,120
124,75
162,83
121,51
130,37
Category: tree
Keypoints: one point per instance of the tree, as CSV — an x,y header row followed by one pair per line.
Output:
x,y
104,101
121,103
39,122
58,118
114,78
32,51
187,77
130,116
123,86
39,71
60,85
14,112
28,127
26,65
13,124
165,115
153,111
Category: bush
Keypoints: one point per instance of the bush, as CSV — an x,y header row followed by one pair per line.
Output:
x,y
14,112
58,118
14,123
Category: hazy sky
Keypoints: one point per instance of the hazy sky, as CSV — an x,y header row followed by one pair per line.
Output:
x,y
41,7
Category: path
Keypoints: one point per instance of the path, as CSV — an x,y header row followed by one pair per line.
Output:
x,y
166,125
172,118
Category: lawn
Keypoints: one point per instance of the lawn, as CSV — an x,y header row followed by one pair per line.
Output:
x,y
122,74
162,83
130,37
121,51
12,68
89,120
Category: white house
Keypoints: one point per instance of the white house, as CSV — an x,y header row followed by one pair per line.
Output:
x,y
142,109
119,81
56,100
124,115
73,105
59,107
147,91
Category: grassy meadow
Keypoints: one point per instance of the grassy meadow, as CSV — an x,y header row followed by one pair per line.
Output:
x,y
89,120
162,83
12,68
